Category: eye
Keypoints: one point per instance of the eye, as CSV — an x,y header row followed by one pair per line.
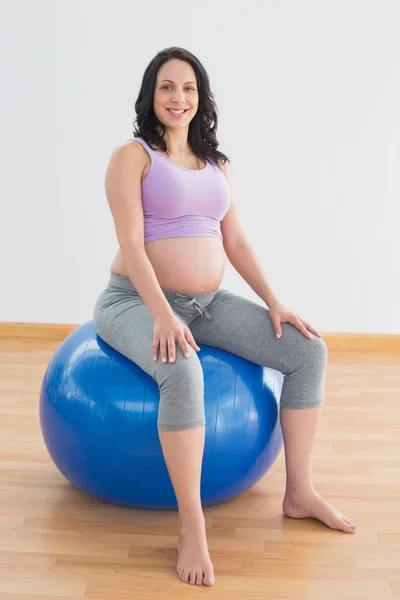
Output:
x,y
167,86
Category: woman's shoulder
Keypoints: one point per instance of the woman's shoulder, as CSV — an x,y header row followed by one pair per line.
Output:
x,y
132,152
135,143
136,147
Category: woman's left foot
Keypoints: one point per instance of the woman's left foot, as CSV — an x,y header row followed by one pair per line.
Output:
x,y
311,504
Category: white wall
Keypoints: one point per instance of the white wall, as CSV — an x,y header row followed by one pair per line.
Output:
x,y
315,160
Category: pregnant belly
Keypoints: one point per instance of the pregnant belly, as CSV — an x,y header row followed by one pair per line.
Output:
x,y
184,264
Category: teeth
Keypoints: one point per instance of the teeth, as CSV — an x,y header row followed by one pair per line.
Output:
x,y
176,112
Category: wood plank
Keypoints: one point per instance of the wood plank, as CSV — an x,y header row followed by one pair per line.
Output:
x,y
57,543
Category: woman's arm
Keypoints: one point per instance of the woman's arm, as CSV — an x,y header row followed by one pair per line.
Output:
x,y
240,253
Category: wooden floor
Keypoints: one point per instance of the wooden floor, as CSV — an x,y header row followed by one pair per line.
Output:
x,y
58,543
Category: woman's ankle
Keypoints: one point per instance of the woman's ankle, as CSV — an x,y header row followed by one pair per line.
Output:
x,y
190,508
192,518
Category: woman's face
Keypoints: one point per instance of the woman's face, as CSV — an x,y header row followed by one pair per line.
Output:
x,y
176,87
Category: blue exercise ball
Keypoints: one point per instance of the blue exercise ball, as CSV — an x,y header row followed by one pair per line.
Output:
x,y
98,416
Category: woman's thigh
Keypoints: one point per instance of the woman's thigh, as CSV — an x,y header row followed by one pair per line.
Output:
x,y
244,327
124,322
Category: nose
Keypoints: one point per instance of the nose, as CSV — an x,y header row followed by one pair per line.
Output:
x,y
179,97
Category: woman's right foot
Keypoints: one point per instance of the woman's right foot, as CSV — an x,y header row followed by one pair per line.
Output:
x,y
194,563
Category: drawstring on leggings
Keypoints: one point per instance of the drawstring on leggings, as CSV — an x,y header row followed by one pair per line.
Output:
x,y
201,309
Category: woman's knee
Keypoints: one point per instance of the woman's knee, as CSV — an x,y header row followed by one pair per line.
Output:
x,y
305,352
304,382
181,385
317,352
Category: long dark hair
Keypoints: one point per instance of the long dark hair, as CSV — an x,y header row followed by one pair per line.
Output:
x,y
202,137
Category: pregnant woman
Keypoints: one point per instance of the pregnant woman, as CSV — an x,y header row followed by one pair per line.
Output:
x,y
175,218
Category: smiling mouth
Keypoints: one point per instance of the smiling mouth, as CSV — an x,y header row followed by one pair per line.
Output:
x,y
180,112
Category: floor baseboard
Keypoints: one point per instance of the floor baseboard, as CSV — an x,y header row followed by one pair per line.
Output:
x,y
355,342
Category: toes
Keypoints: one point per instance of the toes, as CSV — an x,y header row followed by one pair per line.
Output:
x,y
199,577
196,577
349,524
192,577
208,578
348,520
185,575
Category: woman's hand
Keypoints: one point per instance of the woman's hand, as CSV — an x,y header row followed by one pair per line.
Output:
x,y
280,314
167,330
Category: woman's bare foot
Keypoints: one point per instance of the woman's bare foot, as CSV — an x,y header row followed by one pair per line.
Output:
x,y
311,504
194,563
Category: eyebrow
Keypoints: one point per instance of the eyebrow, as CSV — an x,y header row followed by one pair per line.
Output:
x,y
170,80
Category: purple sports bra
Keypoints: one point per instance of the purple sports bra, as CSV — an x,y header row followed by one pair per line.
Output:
x,y
182,202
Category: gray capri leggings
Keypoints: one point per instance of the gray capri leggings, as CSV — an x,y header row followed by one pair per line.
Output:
x,y
220,319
